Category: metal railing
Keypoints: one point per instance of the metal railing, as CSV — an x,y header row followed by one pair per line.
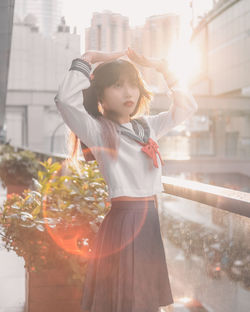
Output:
x,y
216,196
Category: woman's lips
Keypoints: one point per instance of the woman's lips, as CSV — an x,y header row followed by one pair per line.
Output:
x,y
128,103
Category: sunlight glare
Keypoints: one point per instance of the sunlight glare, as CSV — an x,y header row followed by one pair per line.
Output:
x,y
185,61
185,299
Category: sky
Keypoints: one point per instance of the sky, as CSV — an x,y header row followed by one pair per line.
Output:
x,y
79,12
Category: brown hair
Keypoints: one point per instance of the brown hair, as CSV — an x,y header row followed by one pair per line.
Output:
x,y
105,75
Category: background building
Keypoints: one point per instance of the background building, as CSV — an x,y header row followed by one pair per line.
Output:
x,y
47,13
108,32
161,34
223,86
6,27
37,65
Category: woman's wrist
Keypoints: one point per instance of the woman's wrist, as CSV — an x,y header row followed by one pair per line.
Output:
x,y
86,58
170,77
161,66
81,65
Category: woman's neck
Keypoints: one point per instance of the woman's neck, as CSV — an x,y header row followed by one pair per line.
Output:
x,y
118,120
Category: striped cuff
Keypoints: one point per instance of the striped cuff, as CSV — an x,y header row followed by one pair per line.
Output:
x,y
82,66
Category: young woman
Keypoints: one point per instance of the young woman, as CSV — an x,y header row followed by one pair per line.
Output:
x,y
108,113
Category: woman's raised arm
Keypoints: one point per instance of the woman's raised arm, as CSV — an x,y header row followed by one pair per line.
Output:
x,y
69,101
182,107
69,98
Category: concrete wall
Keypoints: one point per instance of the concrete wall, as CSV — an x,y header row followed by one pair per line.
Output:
x,y
6,19
224,41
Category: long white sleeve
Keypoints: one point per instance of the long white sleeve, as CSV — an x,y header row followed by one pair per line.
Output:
x,y
69,101
183,106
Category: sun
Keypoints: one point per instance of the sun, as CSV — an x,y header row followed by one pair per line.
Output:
x,y
184,60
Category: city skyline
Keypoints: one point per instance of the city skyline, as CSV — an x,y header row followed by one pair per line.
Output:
x,y
78,14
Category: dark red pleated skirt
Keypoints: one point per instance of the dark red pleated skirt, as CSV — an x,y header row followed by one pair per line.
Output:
x,y
127,271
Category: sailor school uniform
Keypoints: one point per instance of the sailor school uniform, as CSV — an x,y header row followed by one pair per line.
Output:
x,y
138,169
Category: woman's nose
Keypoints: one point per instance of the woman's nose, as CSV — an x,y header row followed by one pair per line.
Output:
x,y
127,90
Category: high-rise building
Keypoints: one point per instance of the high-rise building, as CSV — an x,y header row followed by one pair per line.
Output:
x,y
108,32
46,13
159,34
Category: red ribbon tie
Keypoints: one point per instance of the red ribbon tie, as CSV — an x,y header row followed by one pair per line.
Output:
x,y
151,150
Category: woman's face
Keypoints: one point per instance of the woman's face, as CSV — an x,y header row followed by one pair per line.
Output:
x,y
120,99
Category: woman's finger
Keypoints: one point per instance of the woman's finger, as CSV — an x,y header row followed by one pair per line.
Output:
x,y
115,55
140,59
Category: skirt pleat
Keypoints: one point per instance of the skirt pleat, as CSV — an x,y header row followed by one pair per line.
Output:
x,y
127,271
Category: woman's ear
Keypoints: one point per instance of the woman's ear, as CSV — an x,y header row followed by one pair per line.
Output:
x,y
99,98
100,108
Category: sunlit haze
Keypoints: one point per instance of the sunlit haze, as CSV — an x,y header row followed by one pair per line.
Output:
x,y
79,13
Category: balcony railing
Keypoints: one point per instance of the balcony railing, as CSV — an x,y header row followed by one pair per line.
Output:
x,y
206,232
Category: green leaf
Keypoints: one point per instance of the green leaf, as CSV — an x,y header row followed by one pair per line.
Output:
x,y
36,211
40,175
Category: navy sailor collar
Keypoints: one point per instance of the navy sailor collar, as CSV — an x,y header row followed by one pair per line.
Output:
x,y
141,130
142,135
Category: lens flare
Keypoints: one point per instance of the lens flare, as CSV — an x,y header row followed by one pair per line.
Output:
x,y
74,237
68,238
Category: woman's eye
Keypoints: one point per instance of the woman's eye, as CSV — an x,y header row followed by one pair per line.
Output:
x,y
134,83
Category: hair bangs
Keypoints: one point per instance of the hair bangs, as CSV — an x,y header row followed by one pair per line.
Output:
x,y
111,72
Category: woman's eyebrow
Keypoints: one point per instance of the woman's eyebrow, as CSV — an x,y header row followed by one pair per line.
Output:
x,y
127,79
121,80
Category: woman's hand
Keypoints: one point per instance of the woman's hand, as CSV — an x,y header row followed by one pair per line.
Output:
x,y
93,56
161,65
157,64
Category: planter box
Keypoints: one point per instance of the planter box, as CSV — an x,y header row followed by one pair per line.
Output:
x,y
48,291
17,189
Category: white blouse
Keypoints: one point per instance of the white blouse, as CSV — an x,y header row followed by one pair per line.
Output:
x,y
133,173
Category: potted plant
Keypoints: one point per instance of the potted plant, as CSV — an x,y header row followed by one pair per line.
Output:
x,y
52,226
17,168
